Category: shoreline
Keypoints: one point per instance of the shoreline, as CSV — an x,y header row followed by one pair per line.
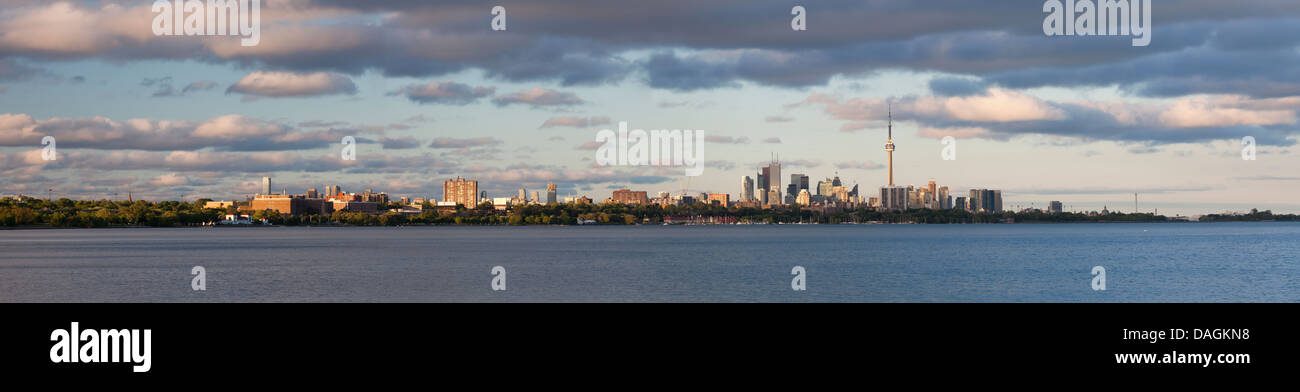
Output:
x,y
48,227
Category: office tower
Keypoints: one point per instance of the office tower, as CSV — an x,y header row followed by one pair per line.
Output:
x,y
985,200
523,195
893,198
1054,207
482,195
764,179
550,193
804,198
774,197
797,182
841,193
266,185
762,197
311,193
889,146
960,203
774,170
824,187
537,197
934,191
746,188
945,201
461,191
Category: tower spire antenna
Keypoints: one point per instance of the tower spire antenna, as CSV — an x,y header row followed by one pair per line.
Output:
x,y
889,143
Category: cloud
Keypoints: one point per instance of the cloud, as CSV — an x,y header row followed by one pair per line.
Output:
x,y
447,142
955,132
1195,112
448,93
228,132
777,119
592,146
538,97
576,122
949,86
1000,114
726,139
13,71
276,84
202,85
168,180
1203,46
862,165
399,143
772,140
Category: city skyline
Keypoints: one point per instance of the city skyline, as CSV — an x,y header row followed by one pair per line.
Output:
x,y
1087,121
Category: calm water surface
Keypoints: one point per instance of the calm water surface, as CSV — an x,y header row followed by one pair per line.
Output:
x,y
1034,263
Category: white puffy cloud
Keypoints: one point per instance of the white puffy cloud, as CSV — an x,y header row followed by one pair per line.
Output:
x,y
290,84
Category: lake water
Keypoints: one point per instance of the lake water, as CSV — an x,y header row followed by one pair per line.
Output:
x,y
861,263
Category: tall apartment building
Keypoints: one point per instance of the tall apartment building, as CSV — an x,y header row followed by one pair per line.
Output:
x,y
893,198
628,196
460,191
746,188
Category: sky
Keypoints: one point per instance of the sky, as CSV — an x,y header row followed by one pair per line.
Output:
x,y
430,92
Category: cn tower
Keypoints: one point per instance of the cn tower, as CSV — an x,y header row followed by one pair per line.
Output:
x,y
889,146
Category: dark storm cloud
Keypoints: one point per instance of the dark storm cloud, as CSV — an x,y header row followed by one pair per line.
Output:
x,y
957,86
716,44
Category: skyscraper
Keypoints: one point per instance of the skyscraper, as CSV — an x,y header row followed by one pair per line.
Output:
x,y
460,191
266,185
945,200
1054,207
798,182
746,188
774,169
550,193
985,200
769,180
824,187
893,198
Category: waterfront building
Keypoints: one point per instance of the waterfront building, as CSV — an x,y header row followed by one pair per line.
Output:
x,y
461,191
